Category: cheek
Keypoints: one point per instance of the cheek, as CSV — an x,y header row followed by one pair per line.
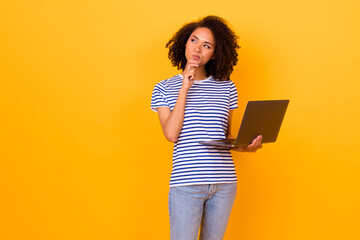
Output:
x,y
187,48
211,54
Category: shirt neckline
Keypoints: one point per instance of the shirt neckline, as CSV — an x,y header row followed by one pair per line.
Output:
x,y
198,81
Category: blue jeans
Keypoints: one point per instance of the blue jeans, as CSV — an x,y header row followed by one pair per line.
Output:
x,y
208,206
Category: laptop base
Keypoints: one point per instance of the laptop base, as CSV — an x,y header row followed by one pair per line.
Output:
x,y
226,143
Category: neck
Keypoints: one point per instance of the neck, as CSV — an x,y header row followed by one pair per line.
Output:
x,y
200,73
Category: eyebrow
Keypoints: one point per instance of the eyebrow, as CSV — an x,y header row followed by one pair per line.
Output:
x,y
205,41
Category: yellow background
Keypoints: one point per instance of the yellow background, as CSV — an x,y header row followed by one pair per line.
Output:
x,y
76,82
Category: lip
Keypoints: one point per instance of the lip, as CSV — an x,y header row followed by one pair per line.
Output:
x,y
196,57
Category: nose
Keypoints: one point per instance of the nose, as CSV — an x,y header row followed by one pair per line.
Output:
x,y
197,48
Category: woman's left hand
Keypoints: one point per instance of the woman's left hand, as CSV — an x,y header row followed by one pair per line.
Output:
x,y
253,147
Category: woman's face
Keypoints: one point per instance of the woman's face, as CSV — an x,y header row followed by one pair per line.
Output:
x,y
200,46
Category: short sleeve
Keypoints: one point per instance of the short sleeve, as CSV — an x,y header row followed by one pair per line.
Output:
x,y
158,98
233,96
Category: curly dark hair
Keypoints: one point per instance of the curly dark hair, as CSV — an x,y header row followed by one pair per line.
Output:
x,y
225,54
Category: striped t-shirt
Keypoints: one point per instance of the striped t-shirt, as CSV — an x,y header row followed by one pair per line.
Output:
x,y
206,115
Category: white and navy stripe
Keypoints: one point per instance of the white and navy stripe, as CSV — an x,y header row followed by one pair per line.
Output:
x,y
206,115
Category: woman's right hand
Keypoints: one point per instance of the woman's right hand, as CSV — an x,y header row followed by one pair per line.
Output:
x,y
189,75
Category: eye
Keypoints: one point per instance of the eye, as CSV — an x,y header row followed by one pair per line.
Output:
x,y
207,46
193,40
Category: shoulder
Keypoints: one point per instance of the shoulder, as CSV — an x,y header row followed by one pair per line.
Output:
x,y
172,82
224,83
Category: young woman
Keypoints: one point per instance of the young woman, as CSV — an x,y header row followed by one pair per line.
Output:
x,y
196,106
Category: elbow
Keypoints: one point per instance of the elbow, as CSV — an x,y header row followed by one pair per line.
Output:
x,y
171,134
171,138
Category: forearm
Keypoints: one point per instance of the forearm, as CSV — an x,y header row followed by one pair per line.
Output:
x,y
173,124
172,121
228,134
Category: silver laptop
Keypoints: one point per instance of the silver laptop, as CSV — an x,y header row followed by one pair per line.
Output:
x,y
260,118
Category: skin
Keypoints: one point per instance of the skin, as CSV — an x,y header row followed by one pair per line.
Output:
x,y
199,50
